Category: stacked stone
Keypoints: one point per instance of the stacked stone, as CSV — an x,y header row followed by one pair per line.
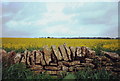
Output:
x,y
63,59
111,61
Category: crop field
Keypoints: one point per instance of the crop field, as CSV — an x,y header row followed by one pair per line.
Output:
x,y
37,43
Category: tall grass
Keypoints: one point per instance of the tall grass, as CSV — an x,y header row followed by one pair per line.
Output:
x,y
19,71
93,74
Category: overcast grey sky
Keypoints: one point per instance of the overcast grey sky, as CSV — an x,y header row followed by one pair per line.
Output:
x,y
40,19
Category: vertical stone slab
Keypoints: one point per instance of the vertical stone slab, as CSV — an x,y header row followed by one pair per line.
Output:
x,y
42,59
17,58
26,56
72,49
11,57
83,51
90,54
54,58
78,52
63,52
47,54
56,52
25,53
37,56
31,58
68,52
34,54
23,59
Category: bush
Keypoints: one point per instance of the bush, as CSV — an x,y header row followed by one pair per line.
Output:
x,y
16,71
98,49
93,74
19,71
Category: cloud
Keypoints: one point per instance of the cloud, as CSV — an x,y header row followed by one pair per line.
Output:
x,y
59,29
60,1
55,14
59,19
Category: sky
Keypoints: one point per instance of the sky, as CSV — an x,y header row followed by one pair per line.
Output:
x,y
59,19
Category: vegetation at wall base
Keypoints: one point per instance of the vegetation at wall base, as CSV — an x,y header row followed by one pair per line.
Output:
x,y
19,71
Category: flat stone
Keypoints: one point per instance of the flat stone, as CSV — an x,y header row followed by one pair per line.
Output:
x,y
60,73
68,64
88,60
53,68
53,72
60,63
2,51
80,65
104,58
78,68
71,69
109,64
103,63
64,68
53,64
88,65
47,54
36,67
39,71
75,63
113,56
116,64
116,69
63,52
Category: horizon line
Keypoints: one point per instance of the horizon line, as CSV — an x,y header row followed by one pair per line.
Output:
x,y
60,37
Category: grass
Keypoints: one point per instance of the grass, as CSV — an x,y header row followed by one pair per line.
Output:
x,y
93,74
19,71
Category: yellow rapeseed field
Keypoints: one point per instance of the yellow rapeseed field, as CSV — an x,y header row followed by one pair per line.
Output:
x,y
24,43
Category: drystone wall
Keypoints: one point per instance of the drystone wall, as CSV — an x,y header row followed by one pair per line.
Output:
x,y
56,60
